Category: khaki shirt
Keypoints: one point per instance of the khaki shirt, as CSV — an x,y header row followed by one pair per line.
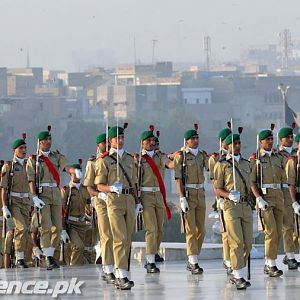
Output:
x,y
89,176
285,157
291,169
58,160
19,180
106,169
223,174
272,168
195,166
148,177
78,199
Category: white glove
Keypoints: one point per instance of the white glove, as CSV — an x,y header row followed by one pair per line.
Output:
x,y
184,204
138,208
6,212
261,203
102,196
116,188
38,202
220,203
234,196
78,173
93,204
296,208
64,236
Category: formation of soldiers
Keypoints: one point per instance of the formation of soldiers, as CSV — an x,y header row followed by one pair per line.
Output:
x,y
93,218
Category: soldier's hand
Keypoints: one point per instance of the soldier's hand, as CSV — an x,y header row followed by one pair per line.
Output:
x,y
296,208
102,196
65,237
184,204
6,212
116,188
78,173
261,203
220,203
38,202
138,208
234,196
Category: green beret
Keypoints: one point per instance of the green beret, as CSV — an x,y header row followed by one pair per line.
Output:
x,y
146,134
189,133
43,135
224,133
76,166
17,143
297,138
101,138
228,140
265,134
284,132
112,132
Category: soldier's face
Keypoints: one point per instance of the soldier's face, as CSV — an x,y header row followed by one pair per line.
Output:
x,y
267,143
102,147
149,144
236,147
193,142
287,141
45,144
224,146
21,151
114,142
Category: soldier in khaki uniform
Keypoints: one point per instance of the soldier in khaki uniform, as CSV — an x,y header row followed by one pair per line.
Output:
x,y
121,192
270,199
286,150
192,196
75,197
236,207
152,195
101,210
293,175
14,179
1,222
213,159
46,193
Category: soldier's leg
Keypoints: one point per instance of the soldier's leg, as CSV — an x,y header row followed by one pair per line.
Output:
x,y
130,223
247,226
8,244
56,215
77,246
226,250
159,211
200,219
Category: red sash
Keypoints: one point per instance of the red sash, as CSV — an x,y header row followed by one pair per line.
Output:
x,y
51,169
162,188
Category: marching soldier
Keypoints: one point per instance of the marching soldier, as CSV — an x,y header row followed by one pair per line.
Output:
x,y
232,182
1,223
75,197
213,159
116,175
286,150
100,199
44,181
293,180
267,173
152,191
189,176
15,198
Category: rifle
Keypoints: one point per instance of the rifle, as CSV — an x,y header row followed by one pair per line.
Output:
x,y
296,217
221,212
139,218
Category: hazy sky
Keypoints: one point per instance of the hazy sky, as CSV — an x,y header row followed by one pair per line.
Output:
x,y
69,34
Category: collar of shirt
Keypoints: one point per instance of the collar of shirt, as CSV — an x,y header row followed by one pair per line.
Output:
x,y
236,157
289,150
45,153
121,151
224,151
193,151
149,153
19,160
75,185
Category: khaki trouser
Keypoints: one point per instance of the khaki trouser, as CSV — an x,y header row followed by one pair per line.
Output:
x,y
8,243
104,233
239,226
121,213
77,236
273,220
195,221
20,210
91,239
288,223
153,217
226,249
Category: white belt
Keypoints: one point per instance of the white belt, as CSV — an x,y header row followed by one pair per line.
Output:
x,y
77,219
48,184
150,189
285,186
196,186
90,249
274,186
19,195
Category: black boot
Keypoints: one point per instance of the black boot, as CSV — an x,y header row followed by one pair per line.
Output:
x,y
21,264
124,283
158,258
110,278
240,283
51,263
272,271
285,260
292,264
151,268
194,269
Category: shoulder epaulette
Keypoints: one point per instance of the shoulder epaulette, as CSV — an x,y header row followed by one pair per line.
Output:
x,y
252,156
292,158
56,151
213,154
92,158
7,163
64,188
104,154
204,152
222,159
32,156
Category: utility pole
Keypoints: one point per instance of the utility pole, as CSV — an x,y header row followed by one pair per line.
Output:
x,y
283,91
207,50
285,41
153,49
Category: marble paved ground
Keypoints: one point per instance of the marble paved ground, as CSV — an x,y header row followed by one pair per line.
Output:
x,y
172,283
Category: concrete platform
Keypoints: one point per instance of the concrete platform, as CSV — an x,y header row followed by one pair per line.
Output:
x,y
174,282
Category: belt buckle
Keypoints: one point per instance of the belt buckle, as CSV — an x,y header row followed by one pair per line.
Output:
x,y
153,189
22,195
274,186
197,186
